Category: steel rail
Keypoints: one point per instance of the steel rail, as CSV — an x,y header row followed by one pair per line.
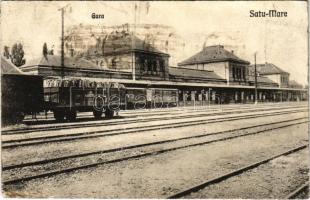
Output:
x,y
160,111
140,145
92,134
232,173
109,123
299,190
67,170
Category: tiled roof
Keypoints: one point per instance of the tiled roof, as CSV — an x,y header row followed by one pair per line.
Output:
x,y
55,61
261,79
124,41
294,84
9,68
209,54
193,73
267,68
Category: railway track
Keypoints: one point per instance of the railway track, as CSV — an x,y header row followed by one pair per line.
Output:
x,y
105,133
74,161
233,173
119,122
298,191
160,111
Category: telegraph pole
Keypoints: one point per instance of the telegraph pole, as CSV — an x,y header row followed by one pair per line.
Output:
x,y
62,44
255,75
62,59
133,45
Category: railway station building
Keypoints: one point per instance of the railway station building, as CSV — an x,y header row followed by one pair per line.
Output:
x,y
213,75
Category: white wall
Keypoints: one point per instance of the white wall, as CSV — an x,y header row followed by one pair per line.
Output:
x,y
220,68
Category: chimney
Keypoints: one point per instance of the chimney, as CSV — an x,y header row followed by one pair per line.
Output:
x,y
232,51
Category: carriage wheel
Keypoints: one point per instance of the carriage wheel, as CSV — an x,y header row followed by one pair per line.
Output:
x,y
109,114
71,115
97,114
19,117
59,115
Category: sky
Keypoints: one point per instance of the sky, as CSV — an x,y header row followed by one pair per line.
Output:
x,y
282,41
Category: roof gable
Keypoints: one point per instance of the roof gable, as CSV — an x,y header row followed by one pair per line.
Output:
x,y
210,54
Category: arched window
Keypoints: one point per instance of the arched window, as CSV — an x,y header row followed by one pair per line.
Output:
x,y
162,65
233,72
149,66
244,73
158,66
154,66
144,65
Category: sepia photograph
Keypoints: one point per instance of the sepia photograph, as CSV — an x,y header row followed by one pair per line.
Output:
x,y
154,99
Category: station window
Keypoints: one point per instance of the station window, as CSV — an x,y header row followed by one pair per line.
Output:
x,y
244,74
157,65
154,66
144,65
234,72
162,66
149,66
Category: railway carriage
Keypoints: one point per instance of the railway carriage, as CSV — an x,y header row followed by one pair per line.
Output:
x,y
66,97
140,98
21,93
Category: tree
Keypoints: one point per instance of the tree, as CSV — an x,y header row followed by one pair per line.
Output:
x,y
17,55
45,51
6,52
